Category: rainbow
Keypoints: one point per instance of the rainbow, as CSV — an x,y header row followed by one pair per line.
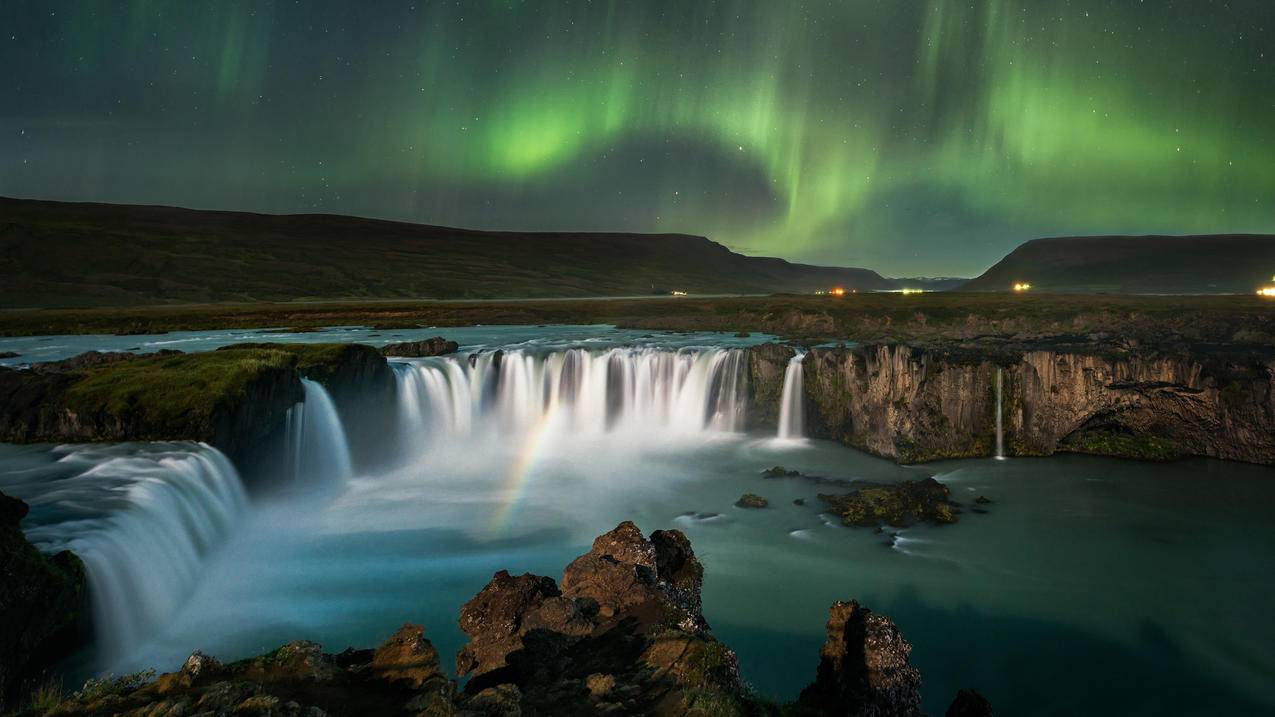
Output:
x,y
520,471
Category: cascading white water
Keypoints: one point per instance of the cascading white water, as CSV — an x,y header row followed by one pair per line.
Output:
x,y
143,523
316,446
616,389
792,412
1000,429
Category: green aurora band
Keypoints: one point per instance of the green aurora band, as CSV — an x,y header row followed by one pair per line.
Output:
x,y
908,136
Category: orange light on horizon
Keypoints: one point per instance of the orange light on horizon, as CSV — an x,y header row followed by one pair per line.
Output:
x,y
838,291
1266,291
1022,286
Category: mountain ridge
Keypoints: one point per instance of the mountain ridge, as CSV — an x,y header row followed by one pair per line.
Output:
x,y
1136,264
148,254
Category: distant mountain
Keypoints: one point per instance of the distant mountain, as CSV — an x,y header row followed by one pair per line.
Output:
x,y
1209,264
58,254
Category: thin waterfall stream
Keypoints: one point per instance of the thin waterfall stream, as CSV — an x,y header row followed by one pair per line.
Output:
x,y
1000,423
792,401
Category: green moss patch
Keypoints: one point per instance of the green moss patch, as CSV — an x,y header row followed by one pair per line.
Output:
x,y
173,389
1121,444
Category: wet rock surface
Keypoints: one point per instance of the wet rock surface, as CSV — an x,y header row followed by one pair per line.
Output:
x,y
751,500
434,346
899,505
622,633
766,365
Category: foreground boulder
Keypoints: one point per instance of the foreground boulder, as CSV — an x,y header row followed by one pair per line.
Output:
x,y
622,633
435,346
42,602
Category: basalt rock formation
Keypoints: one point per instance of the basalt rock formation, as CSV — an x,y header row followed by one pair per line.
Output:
x,y
915,405
766,366
621,634
435,346
42,602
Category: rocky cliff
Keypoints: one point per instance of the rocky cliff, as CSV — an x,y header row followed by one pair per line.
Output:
x,y
234,398
622,634
916,405
43,603
766,366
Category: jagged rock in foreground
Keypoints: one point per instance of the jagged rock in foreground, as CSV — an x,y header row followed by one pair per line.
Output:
x,y
863,668
401,677
621,634
42,601
434,346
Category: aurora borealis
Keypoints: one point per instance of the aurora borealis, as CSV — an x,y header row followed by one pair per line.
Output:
x,y
909,136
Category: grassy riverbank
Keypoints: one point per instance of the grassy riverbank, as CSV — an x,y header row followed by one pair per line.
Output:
x,y
916,318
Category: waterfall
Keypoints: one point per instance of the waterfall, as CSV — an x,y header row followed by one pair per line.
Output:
x,y
1000,428
792,401
689,389
316,446
143,522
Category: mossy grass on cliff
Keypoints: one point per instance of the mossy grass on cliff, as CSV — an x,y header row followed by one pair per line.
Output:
x,y
232,398
172,388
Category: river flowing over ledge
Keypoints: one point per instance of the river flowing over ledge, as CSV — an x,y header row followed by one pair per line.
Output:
x,y
337,447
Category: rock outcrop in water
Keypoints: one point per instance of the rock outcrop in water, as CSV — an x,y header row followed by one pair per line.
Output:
x,y
863,668
43,602
622,633
915,405
899,505
434,346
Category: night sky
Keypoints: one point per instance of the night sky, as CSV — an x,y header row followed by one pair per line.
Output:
x,y
909,136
